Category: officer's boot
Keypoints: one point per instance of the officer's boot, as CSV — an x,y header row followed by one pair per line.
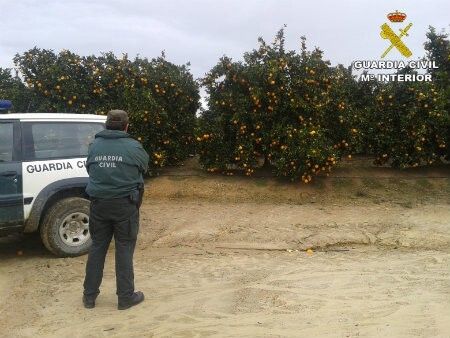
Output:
x,y
135,299
89,302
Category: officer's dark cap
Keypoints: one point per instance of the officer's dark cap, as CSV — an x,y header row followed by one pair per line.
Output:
x,y
117,120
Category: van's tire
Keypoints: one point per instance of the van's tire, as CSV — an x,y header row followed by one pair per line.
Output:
x,y
65,227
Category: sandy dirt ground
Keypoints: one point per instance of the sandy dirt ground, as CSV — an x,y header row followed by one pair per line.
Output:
x,y
225,258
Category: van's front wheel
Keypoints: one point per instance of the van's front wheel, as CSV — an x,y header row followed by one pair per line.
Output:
x,y
65,228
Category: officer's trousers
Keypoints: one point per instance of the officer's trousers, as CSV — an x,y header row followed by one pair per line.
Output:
x,y
108,217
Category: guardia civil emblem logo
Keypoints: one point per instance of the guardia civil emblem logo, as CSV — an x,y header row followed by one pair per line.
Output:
x,y
396,40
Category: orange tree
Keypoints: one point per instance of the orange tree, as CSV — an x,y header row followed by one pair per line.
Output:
x,y
12,88
291,110
409,122
438,50
160,97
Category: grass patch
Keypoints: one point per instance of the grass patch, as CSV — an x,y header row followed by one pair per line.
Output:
x,y
341,183
361,193
261,182
177,177
372,182
319,183
423,183
406,204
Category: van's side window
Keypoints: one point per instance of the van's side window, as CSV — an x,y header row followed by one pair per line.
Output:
x,y
51,140
6,142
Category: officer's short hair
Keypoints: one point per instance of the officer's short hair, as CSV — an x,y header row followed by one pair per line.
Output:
x,y
116,120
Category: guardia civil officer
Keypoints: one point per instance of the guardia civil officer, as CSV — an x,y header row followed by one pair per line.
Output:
x,y
115,164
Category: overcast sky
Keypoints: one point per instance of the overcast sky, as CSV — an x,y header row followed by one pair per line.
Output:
x,y
201,31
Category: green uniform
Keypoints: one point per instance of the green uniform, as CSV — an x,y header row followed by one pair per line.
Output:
x,y
115,164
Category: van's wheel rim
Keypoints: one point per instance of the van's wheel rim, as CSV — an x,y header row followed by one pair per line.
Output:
x,y
74,229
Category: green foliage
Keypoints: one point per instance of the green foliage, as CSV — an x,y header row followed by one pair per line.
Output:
x,y
289,110
296,113
160,97
12,88
438,50
409,122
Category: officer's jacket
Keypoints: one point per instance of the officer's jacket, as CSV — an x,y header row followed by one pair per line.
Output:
x,y
115,164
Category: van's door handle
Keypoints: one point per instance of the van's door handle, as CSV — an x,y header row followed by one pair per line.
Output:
x,y
9,173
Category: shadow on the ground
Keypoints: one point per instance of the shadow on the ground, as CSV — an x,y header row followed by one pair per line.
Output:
x,y
22,245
